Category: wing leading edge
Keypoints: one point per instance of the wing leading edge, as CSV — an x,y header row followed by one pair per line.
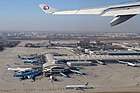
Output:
x,y
120,12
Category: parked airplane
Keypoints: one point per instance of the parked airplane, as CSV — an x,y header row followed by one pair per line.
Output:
x,y
135,49
77,72
129,63
122,62
61,73
28,56
79,86
19,69
100,62
132,64
52,78
28,60
120,12
27,74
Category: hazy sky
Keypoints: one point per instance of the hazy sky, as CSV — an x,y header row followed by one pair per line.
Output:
x,y
25,15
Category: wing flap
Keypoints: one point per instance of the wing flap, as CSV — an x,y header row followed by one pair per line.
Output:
x,y
126,11
91,11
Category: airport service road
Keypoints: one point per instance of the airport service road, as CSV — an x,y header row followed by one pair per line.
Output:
x,y
110,77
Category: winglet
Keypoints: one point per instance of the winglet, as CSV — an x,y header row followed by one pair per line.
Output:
x,y
47,9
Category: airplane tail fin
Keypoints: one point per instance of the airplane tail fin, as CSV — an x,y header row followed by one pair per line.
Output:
x,y
47,9
86,83
18,56
8,66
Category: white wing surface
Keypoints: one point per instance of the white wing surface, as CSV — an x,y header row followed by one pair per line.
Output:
x,y
121,12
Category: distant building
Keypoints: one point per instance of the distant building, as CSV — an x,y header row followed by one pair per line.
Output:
x,y
79,63
83,43
1,48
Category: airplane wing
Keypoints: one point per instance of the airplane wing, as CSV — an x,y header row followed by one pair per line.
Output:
x,y
80,89
51,10
22,70
120,12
